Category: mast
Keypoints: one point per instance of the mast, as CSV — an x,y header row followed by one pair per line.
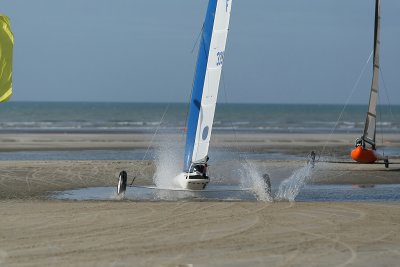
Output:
x,y
370,122
206,82
6,55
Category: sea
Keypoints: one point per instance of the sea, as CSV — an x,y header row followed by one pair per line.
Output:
x,y
89,117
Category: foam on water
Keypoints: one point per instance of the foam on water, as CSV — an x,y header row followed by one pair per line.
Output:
x,y
290,188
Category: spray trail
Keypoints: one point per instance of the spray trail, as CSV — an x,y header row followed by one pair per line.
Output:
x,y
290,188
168,161
252,177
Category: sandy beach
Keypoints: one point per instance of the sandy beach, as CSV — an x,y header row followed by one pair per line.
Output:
x,y
36,230
48,233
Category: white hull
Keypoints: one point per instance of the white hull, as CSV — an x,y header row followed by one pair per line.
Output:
x,y
191,181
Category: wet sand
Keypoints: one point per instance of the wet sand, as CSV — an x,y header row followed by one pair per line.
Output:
x,y
292,143
38,231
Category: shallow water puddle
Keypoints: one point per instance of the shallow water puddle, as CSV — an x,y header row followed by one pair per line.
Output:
x,y
216,192
344,193
309,193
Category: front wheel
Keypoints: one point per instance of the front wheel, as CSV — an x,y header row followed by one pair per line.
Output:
x,y
122,180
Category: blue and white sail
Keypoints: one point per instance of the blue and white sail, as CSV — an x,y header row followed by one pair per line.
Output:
x,y
206,82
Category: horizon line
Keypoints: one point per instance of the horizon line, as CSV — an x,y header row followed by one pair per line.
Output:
x,y
160,102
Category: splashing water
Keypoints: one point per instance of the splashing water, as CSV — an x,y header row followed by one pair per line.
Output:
x,y
252,177
169,157
168,161
290,188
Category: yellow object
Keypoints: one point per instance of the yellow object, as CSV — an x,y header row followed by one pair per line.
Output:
x,y
6,55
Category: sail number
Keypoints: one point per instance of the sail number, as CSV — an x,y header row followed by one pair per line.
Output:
x,y
220,58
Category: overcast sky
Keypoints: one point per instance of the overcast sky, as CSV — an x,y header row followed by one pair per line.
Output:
x,y
278,51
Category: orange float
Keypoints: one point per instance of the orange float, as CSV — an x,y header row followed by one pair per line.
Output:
x,y
363,155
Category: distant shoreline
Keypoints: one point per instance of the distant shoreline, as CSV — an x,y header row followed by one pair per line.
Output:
x,y
250,142
65,140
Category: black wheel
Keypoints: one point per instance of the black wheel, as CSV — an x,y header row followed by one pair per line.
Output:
x,y
386,163
267,183
122,180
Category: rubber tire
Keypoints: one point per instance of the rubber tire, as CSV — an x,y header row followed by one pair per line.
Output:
x,y
386,163
122,181
267,183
